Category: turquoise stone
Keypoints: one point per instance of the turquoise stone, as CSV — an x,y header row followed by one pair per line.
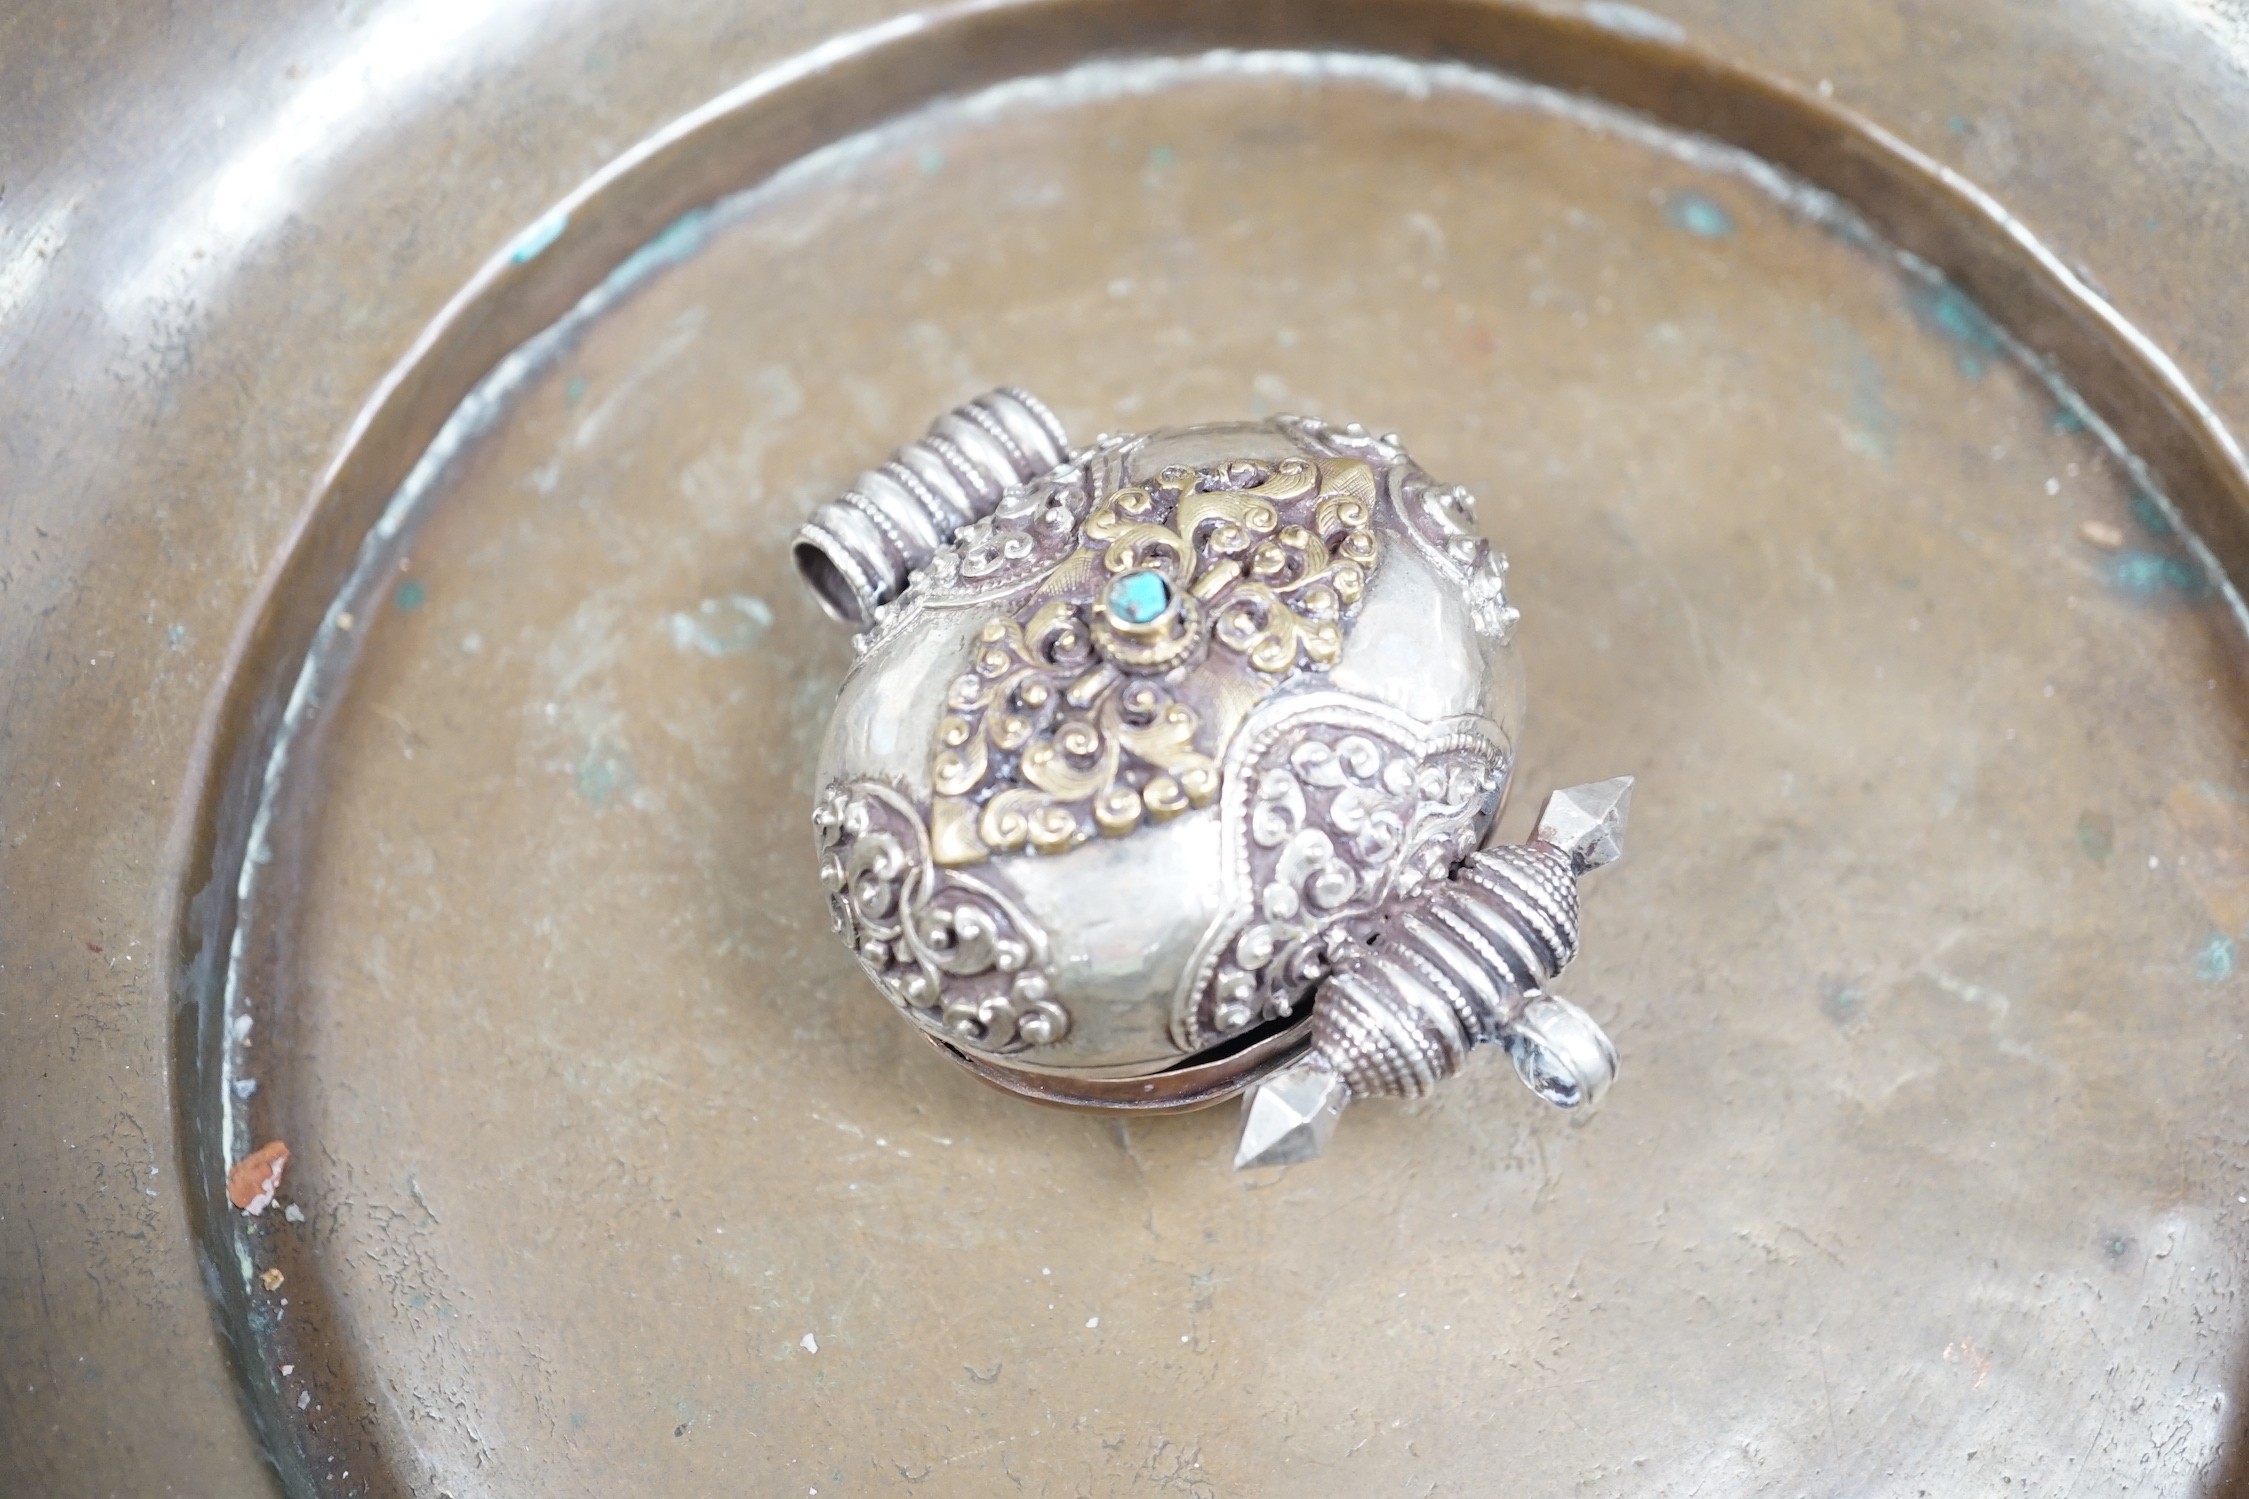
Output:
x,y
1139,597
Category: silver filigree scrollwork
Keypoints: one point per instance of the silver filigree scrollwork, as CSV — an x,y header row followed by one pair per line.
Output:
x,y
1334,807
953,951
1441,518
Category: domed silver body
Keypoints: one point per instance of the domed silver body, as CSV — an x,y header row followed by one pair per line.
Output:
x,y
1153,746
1101,846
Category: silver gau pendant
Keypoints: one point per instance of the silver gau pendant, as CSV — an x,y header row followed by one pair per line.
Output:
x,y
1165,767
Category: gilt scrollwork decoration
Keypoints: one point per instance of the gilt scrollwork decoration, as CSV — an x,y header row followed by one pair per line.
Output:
x,y
1085,714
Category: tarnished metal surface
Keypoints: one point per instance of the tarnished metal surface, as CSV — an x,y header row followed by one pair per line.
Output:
x,y
1930,1171
555,854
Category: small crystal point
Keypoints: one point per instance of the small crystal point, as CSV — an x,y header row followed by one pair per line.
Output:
x,y
1287,1118
1587,822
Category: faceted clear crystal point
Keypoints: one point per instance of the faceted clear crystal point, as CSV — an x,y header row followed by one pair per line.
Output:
x,y
1587,822
1287,1118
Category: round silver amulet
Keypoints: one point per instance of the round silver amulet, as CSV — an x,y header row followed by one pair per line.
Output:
x,y
1165,765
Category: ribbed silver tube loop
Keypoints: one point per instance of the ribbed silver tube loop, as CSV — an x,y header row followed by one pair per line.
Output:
x,y
905,521
1526,965
943,519
1476,995
1536,884
1505,991
1437,1003
1448,972
985,444
844,558
1035,428
859,550
1370,1036
1546,888
949,481
1496,893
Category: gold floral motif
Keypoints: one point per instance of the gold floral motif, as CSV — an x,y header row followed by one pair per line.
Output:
x,y
1276,593
1069,725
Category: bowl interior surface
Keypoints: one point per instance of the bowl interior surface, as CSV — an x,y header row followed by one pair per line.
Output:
x,y
618,1178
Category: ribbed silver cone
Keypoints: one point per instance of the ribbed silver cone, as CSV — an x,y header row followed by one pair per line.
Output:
x,y
1448,972
1533,883
859,549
